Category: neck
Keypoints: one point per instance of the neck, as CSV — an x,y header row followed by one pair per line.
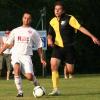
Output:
x,y
25,25
58,18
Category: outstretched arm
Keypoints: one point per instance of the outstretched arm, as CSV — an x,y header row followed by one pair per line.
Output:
x,y
86,32
41,54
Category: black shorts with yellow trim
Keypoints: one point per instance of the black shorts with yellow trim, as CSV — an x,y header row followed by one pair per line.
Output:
x,y
66,54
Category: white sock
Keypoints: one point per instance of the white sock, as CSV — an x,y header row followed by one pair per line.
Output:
x,y
35,82
18,83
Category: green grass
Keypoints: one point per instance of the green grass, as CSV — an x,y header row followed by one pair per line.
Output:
x,y
81,87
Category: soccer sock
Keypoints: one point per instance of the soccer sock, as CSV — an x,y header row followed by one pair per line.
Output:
x,y
18,83
55,79
35,82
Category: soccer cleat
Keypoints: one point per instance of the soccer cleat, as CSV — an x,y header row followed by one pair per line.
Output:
x,y
66,77
19,95
7,79
54,93
70,76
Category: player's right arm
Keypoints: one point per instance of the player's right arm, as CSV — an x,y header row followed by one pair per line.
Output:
x,y
4,47
49,40
1,42
8,42
50,36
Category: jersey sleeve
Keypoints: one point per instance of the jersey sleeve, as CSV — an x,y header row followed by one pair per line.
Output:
x,y
74,23
37,42
51,32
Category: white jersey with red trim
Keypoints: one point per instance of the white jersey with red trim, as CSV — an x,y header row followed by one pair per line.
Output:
x,y
24,38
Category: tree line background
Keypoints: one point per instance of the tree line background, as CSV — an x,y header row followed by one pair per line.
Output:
x,y
86,11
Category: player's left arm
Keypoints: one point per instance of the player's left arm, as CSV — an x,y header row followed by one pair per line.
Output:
x,y
86,32
38,44
75,24
42,57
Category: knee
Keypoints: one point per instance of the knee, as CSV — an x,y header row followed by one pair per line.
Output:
x,y
29,78
54,64
17,69
70,68
54,67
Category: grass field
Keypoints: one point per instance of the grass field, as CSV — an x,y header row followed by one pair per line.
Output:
x,y
81,87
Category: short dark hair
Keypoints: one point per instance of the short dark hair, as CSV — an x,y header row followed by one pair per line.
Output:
x,y
28,12
59,2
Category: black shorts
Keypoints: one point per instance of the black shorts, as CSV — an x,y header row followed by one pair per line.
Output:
x,y
65,54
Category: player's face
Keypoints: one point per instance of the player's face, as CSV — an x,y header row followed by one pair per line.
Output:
x,y
26,19
58,10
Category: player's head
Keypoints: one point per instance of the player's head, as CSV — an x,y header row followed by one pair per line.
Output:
x,y
26,19
59,8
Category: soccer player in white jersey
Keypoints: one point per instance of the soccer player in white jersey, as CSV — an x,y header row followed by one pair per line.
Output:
x,y
24,37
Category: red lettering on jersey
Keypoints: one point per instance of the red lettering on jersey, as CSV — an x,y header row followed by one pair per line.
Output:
x,y
23,38
19,38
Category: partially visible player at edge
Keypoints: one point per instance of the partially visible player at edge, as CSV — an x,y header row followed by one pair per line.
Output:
x,y
61,38
24,37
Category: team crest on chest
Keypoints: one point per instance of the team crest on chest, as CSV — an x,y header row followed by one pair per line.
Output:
x,y
63,23
29,31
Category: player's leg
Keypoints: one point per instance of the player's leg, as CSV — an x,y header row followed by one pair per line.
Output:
x,y
1,64
18,80
27,69
55,75
66,73
31,77
70,60
8,64
70,69
8,75
17,77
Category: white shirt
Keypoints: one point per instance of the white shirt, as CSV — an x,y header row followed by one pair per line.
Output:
x,y
7,51
24,38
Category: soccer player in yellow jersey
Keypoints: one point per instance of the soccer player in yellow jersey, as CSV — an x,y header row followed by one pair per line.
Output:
x,y
61,37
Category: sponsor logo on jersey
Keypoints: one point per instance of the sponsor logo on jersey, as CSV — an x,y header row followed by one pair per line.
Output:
x,y
23,39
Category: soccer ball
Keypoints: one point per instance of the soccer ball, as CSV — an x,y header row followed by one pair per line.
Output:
x,y
38,91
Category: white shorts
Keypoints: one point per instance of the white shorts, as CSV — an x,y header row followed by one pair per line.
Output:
x,y
24,61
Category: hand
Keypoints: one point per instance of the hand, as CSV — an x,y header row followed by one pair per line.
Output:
x,y
1,53
96,41
50,43
43,62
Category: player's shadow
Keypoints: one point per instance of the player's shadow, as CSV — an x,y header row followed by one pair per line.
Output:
x,y
73,94
78,94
